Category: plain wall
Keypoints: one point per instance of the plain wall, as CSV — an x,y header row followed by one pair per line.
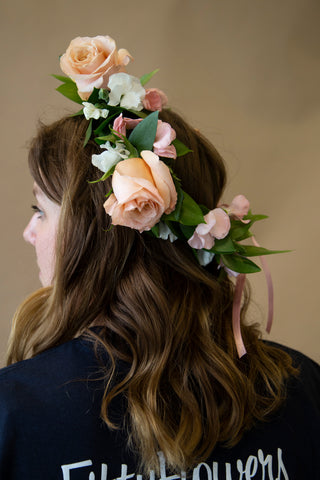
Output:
x,y
245,72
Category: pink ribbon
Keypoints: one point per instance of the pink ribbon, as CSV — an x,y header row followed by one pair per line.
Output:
x,y
236,309
267,274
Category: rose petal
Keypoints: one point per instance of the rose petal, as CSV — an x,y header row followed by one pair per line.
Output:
x,y
162,178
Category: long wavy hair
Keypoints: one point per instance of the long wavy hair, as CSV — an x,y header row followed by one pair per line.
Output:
x,y
158,310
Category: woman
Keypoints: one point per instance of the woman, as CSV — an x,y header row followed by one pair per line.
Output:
x,y
128,361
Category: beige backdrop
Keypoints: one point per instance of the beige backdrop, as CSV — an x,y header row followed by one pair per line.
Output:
x,y
246,72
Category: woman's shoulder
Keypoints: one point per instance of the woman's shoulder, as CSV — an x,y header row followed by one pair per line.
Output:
x,y
306,383
47,372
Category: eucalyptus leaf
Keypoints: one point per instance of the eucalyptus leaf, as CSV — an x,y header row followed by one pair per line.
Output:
x,y
147,77
143,135
180,147
239,264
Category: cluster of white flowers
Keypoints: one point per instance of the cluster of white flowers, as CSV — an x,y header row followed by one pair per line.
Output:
x,y
126,91
90,111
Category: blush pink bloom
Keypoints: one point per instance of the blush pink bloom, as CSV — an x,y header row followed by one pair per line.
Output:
x,y
121,124
154,99
89,62
143,190
217,226
239,207
164,137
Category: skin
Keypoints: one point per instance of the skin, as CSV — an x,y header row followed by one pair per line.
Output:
x,y
41,233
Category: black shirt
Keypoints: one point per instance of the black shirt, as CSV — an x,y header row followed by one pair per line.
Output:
x,y
50,427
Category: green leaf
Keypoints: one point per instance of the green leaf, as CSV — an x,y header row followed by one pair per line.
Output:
x,y
254,218
88,133
77,114
180,147
191,213
62,78
187,231
239,230
70,91
155,230
224,245
144,134
103,95
252,251
175,215
239,264
94,97
133,153
106,138
104,177
147,77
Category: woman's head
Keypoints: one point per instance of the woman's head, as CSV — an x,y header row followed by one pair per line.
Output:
x,y
99,266
62,169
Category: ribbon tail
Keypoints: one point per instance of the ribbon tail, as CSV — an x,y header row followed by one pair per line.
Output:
x,y
236,309
267,274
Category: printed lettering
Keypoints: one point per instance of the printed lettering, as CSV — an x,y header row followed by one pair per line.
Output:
x,y
215,471
124,475
196,471
265,461
72,466
163,472
250,469
281,467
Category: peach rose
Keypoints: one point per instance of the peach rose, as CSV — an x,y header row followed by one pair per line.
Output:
x,y
143,190
217,226
89,62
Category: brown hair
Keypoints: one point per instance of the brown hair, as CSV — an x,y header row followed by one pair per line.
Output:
x,y
158,309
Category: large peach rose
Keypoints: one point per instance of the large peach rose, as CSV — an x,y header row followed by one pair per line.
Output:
x,y
90,61
143,190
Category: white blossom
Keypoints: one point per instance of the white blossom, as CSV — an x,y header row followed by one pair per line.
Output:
x,y
126,91
204,257
109,158
90,111
119,148
165,232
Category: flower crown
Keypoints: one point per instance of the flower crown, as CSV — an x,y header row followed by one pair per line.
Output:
x,y
136,151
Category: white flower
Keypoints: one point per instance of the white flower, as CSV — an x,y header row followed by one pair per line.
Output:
x,y
119,148
108,159
126,91
204,257
90,111
165,232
